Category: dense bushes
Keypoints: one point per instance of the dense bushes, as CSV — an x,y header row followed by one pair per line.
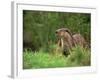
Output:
x,y
39,27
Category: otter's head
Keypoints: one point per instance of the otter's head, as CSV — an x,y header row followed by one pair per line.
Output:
x,y
61,32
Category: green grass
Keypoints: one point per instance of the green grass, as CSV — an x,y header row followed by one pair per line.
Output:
x,y
78,57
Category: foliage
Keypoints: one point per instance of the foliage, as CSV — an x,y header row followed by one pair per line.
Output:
x,y
78,57
42,60
39,27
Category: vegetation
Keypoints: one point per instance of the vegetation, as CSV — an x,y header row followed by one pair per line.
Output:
x,y
78,57
39,39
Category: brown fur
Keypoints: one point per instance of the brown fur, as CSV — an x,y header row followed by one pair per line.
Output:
x,y
66,40
79,40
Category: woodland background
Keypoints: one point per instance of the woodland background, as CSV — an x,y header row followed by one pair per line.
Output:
x,y
39,27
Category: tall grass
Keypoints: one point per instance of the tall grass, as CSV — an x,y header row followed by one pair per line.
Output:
x,y
42,60
78,57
